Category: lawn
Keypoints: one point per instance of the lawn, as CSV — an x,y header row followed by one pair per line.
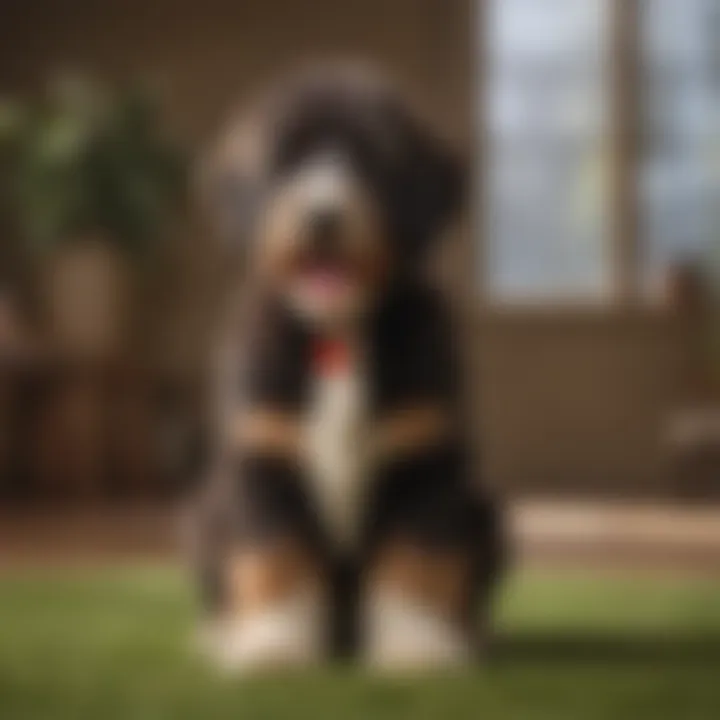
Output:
x,y
113,643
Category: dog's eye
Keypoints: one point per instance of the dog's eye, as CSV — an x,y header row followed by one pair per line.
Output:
x,y
296,144
287,154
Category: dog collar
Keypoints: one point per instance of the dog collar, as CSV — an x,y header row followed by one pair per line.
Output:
x,y
331,356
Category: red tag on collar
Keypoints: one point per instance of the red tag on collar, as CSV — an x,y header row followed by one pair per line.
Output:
x,y
330,356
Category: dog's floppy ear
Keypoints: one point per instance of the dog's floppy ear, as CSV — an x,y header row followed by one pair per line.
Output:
x,y
231,177
432,183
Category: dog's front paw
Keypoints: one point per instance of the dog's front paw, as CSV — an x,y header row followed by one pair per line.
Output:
x,y
403,637
282,637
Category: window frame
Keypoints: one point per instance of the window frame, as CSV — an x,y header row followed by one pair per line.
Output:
x,y
625,141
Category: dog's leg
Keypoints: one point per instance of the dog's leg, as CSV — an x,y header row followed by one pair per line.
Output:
x,y
276,609
414,608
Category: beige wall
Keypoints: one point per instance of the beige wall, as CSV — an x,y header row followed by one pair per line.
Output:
x,y
566,401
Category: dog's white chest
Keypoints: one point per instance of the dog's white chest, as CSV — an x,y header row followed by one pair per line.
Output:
x,y
336,449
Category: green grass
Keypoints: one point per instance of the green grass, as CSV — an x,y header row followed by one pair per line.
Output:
x,y
109,644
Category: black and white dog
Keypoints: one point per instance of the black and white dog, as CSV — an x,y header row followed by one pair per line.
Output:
x,y
342,516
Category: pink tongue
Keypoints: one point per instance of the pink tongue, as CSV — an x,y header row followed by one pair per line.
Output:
x,y
327,280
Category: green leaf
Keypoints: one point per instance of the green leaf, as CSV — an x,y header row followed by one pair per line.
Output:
x,y
89,159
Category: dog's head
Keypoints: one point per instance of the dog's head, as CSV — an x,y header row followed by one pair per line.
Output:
x,y
334,187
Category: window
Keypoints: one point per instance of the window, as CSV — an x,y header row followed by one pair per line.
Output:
x,y
549,112
680,167
547,132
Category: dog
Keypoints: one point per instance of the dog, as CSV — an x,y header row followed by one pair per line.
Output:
x,y
342,516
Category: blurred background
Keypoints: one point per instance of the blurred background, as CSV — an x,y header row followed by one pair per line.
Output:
x,y
587,270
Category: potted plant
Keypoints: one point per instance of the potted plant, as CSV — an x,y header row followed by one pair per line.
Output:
x,y
92,182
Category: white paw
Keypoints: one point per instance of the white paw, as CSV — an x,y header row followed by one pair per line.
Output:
x,y
287,635
403,636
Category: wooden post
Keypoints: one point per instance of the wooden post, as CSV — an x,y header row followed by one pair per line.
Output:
x,y
625,70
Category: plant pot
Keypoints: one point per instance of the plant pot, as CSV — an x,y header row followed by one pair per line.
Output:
x,y
87,300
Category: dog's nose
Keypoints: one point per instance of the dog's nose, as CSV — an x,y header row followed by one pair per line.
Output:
x,y
324,227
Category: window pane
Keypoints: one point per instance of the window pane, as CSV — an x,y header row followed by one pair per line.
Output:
x,y
680,173
548,136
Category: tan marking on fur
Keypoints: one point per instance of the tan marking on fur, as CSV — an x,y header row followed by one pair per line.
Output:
x,y
408,430
259,578
269,432
438,580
